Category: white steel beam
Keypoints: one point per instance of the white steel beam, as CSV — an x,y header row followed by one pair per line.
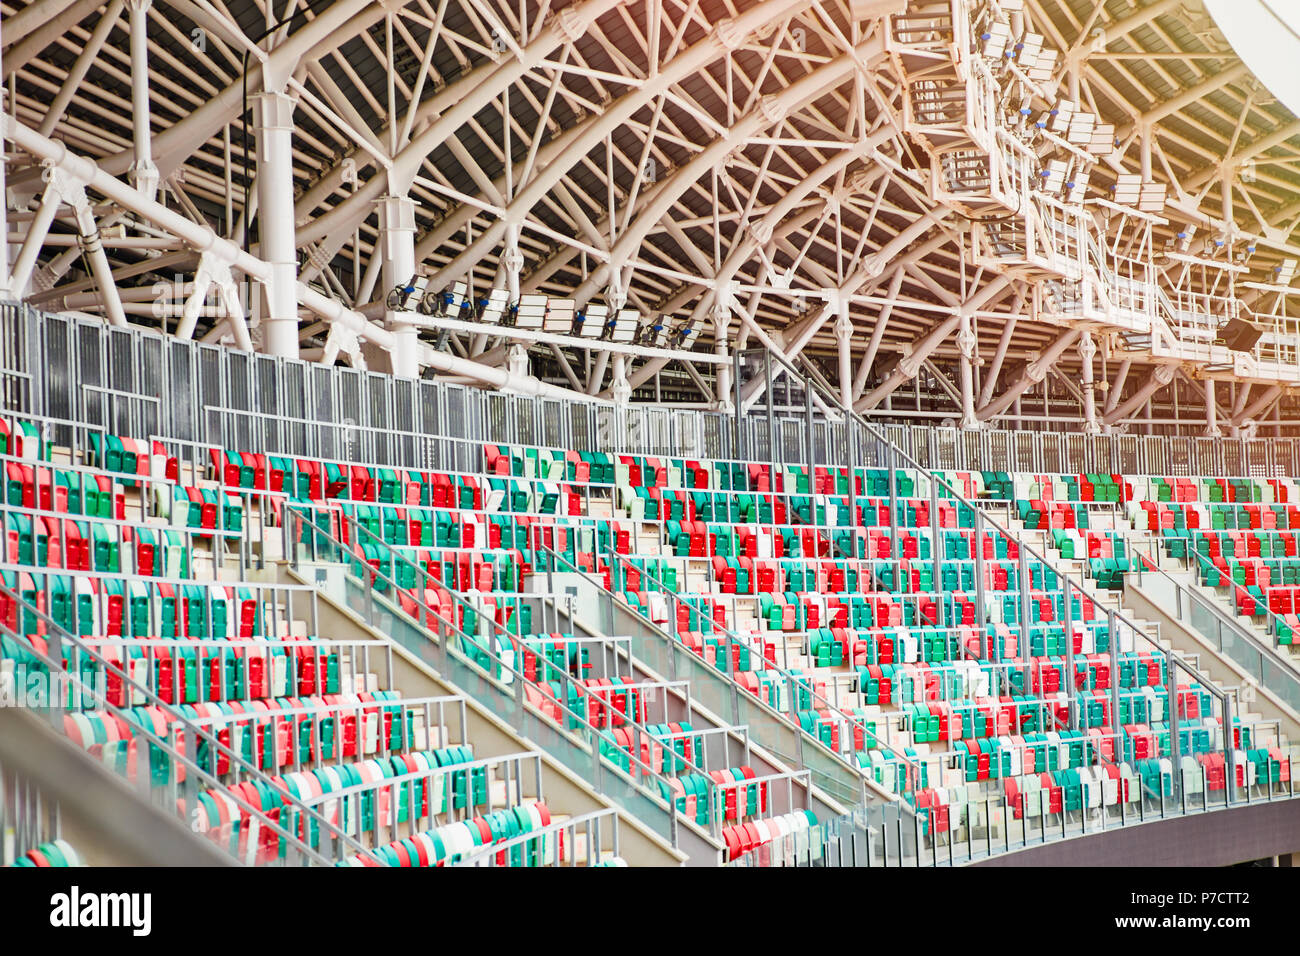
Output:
x,y
908,366
397,238
144,174
456,105
1033,373
1160,376
576,143
275,221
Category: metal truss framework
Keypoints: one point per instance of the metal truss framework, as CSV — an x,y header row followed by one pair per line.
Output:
x,y
984,199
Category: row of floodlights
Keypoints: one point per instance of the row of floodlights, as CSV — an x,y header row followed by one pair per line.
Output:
x,y
541,313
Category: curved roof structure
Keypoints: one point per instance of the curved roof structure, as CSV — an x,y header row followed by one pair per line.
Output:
x,y
943,204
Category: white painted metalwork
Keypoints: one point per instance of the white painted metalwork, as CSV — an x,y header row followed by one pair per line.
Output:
x,y
561,202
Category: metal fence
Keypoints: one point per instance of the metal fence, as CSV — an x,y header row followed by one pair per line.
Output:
x,y
136,382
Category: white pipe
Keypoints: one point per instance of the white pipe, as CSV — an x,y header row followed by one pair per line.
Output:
x,y
144,175
65,240
276,221
99,266
844,341
4,206
966,371
999,356
1117,386
1087,349
1211,412
31,248
1261,402
1161,376
397,246
49,27
32,16
877,333
72,82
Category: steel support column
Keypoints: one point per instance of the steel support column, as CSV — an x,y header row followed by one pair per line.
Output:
x,y
143,173
37,230
622,392
723,398
397,229
276,222
1116,388
1212,429
1034,372
1161,376
966,348
844,342
1087,350
1260,404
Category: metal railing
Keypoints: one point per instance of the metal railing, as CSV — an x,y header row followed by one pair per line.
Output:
x,y
169,776
29,816
404,614
1206,617
965,832
141,383
831,770
590,839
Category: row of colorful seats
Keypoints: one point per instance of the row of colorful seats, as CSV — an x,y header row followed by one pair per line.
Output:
x,y
52,853
123,607
47,541
62,490
1043,608
757,835
452,842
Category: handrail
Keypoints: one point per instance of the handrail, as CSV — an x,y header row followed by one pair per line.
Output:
x,y
894,453
1223,620
913,773
882,843
1275,623
980,664
176,722
997,527
347,795
518,678
591,823
1151,564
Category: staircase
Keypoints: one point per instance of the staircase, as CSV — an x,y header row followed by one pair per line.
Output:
x,y
481,662
1185,618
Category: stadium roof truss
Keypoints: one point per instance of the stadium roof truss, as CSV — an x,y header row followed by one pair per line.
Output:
x,y
557,197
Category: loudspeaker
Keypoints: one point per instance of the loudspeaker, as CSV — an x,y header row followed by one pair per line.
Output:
x,y
1239,335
